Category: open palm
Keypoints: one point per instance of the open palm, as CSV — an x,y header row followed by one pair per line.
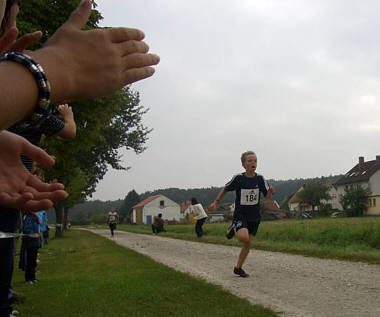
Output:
x,y
20,189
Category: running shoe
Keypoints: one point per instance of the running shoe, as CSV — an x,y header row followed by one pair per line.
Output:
x,y
239,271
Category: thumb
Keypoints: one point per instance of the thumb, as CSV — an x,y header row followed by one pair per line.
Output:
x,y
80,15
37,154
26,40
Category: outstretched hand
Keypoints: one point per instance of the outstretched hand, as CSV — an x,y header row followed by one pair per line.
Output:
x,y
19,189
98,61
212,206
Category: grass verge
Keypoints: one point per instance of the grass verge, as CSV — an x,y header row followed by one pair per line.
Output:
x,y
353,239
85,275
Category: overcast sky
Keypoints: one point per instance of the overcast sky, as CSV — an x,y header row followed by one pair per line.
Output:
x,y
298,82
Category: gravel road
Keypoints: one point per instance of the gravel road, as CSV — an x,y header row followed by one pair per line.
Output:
x,y
291,285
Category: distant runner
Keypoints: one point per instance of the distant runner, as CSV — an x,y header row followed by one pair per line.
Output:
x,y
112,220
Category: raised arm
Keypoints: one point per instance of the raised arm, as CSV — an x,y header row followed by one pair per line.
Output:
x,y
215,203
270,193
78,64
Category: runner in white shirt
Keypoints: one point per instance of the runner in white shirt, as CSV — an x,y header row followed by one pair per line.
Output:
x,y
200,216
112,219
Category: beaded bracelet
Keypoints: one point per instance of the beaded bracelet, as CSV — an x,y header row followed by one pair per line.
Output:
x,y
40,78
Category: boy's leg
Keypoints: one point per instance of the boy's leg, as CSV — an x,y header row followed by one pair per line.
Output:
x,y
245,239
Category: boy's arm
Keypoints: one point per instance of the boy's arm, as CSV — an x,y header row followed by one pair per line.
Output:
x,y
270,193
216,201
67,116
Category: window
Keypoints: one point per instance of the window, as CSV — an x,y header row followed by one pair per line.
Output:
x,y
374,202
370,202
162,203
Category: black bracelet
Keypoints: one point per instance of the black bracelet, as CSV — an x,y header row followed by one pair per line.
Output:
x,y
40,78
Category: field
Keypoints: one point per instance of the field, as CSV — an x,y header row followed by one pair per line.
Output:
x,y
354,239
85,275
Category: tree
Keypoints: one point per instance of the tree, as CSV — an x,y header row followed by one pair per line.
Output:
x,y
313,193
130,200
355,200
104,125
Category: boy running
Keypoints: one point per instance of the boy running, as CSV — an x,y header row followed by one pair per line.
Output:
x,y
246,220
112,220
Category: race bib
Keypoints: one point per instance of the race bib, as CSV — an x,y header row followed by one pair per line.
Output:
x,y
249,197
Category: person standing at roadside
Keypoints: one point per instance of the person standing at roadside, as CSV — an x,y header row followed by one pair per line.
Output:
x,y
200,216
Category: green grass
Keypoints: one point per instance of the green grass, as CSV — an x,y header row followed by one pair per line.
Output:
x,y
354,239
85,275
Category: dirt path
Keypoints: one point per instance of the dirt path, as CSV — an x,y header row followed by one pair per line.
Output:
x,y
291,284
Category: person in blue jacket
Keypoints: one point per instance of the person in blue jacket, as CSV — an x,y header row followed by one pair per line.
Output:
x,y
31,242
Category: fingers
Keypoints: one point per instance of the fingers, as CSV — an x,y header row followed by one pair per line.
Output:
x,y
53,196
2,9
130,47
8,39
133,75
24,202
12,15
35,185
80,15
119,35
36,205
26,40
137,60
36,154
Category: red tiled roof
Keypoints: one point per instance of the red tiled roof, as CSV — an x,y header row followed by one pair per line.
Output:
x,y
145,201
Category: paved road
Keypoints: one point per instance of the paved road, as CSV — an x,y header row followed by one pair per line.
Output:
x,y
293,285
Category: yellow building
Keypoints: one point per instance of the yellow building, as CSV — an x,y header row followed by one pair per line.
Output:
x,y
366,175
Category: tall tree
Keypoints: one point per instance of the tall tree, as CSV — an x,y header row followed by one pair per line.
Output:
x,y
355,200
313,193
130,200
104,125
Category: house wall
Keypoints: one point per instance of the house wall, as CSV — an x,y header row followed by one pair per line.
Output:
x,y
170,211
137,215
294,206
340,190
334,201
374,206
374,183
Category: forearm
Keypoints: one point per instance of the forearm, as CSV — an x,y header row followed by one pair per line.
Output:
x,y
70,130
19,90
57,72
220,195
19,94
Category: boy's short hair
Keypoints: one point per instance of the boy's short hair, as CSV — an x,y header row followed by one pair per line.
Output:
x,y
245,154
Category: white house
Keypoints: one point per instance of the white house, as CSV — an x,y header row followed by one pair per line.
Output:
x,y
367,175
296,205
334,200
146,210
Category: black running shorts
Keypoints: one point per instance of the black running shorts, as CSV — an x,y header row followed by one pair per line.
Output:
x,y
252,226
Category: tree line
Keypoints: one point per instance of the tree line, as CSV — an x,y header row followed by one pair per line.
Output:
x,y
88,211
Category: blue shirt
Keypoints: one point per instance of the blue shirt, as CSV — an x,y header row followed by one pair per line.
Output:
x,y
247,201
